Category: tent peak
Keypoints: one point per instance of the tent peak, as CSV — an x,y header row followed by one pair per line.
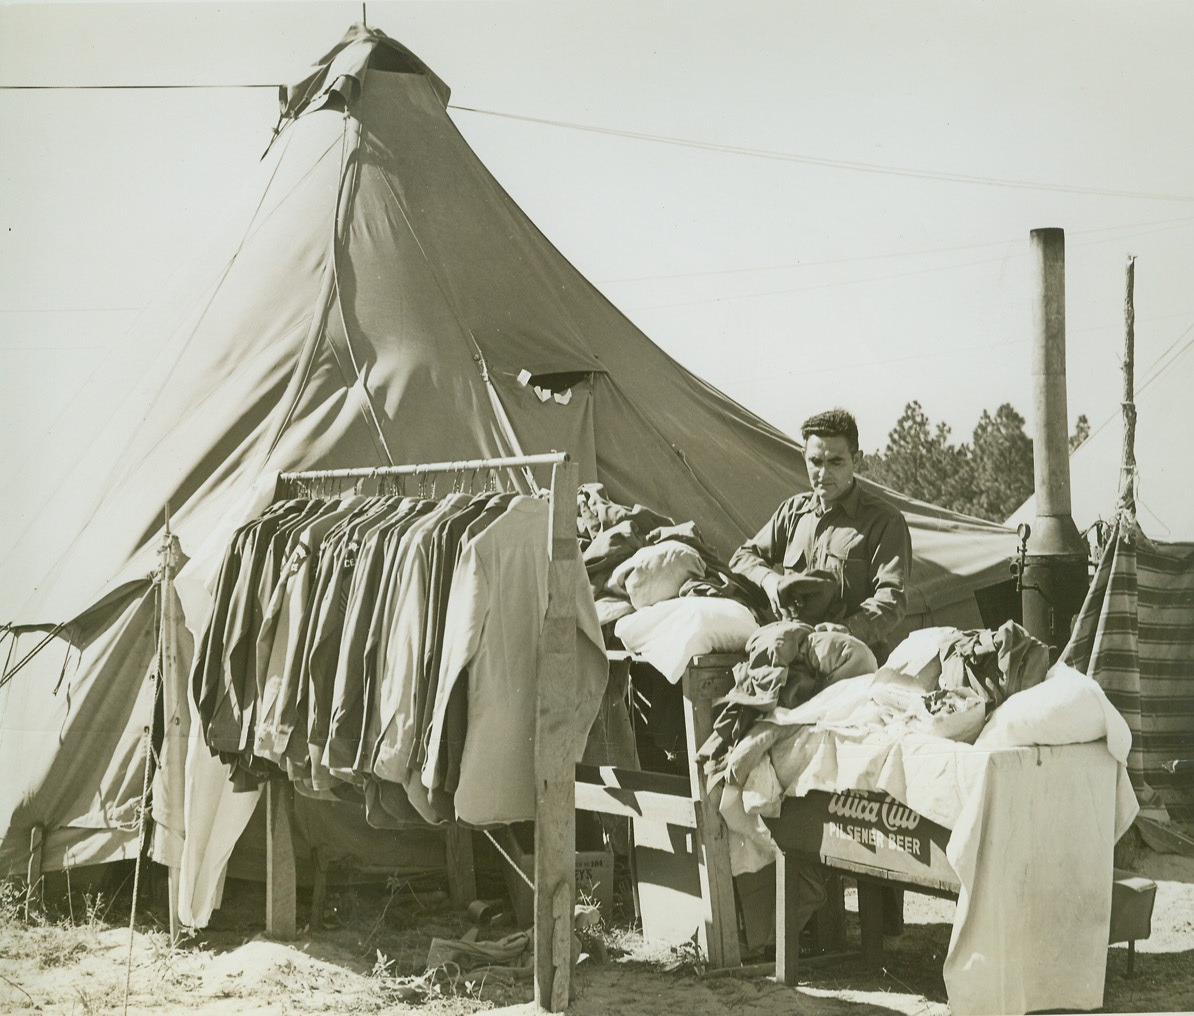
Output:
x,y
342,68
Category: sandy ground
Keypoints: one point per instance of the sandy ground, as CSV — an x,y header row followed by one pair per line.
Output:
x,y
373,960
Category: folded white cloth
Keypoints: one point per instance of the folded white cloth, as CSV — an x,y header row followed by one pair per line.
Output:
x,y
1065,708
669,634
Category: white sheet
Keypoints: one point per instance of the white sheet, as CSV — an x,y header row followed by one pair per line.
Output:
x,y
1032,848
1033,832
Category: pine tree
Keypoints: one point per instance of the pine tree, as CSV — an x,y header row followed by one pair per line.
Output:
x,y
989,478
1002,456
1081,432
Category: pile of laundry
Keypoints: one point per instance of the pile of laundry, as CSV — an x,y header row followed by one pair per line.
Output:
x,y
946,682
787,662
938,682
636,557
661,592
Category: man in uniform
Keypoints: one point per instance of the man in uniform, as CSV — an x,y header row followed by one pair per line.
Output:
x,y
857,544
839,530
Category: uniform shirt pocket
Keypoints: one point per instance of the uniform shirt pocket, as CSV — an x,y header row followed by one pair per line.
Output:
x,y
846,557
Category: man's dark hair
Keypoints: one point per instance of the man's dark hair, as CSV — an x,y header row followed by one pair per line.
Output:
x,y
832,423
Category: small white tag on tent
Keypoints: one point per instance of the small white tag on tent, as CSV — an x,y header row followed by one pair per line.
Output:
x,y
543,393
563,398
523,377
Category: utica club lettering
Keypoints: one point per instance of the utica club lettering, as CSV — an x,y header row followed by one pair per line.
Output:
x,y
896,816
853,806
860,808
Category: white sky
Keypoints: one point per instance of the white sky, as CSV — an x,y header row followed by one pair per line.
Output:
x,y
787,279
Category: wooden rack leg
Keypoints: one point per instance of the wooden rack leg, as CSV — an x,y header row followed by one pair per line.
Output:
x,y
319,888
713,841
279,861
172,892
555,765
462,872
870,920
787,936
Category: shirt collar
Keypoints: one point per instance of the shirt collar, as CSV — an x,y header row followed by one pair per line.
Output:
x,y
849,504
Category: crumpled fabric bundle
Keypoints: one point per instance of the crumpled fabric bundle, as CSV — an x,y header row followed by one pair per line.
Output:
x,y
669,634
513,954
1066,708
995,664
916,661
837,655
596,512
611,534
656,573
957,714
818,597
610,547
774,653
787,662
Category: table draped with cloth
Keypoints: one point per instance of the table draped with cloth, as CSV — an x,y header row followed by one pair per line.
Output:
x,y
1034,807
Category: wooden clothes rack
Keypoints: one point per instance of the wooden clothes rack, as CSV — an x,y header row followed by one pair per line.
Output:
x,y
555,809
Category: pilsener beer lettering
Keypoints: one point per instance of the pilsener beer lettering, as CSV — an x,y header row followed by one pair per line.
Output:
x,y
876,822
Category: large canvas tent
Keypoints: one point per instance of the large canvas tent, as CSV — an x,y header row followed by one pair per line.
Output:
x,y
374,298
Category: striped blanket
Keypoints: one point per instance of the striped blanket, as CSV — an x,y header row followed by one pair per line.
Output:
x,y
1135,636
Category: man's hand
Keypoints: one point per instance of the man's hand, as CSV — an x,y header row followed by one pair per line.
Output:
x,y
771,588
784,592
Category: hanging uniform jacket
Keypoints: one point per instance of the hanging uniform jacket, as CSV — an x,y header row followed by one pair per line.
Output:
x,y
492,640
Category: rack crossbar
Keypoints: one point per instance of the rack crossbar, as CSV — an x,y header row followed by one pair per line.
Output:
x,y
366,473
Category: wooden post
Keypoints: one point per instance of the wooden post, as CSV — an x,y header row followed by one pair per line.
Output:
x,y
279,861
870,920
787,936
555,771
319,888
172,883
37,838
462,872
1127,477
713,841
166,845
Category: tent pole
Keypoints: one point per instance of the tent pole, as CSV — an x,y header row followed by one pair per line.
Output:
x,y
163,849
1127,478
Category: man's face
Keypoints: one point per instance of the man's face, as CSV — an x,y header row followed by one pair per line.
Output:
x,y
831,466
